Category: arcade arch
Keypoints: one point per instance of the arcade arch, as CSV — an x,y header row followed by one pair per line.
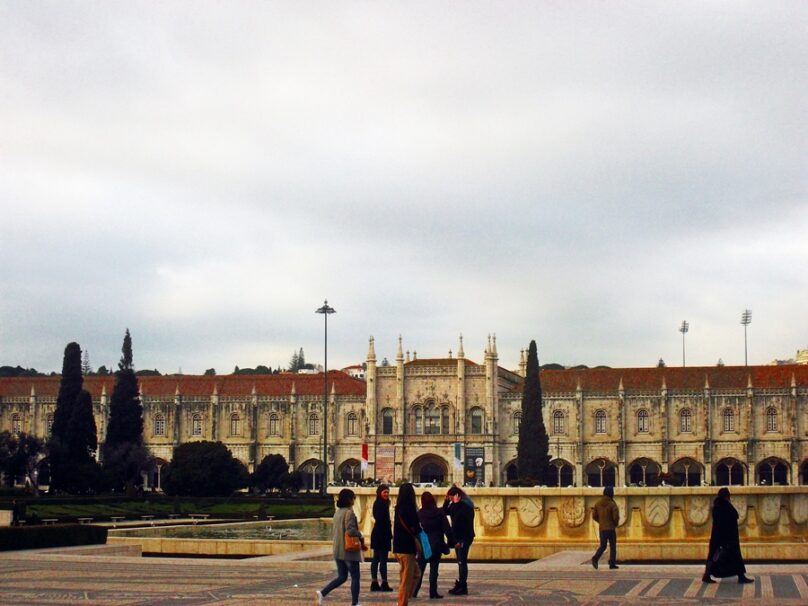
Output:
x,y
429,468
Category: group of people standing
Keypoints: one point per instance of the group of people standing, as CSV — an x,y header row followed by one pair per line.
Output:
x,y
405,534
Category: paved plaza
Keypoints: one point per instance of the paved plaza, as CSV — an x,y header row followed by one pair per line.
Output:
x,y
49,578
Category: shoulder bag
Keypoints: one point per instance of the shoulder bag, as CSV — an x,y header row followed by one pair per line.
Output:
x,y
351,542
421,540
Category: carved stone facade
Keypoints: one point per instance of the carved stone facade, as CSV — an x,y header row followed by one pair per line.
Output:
x,y
629,426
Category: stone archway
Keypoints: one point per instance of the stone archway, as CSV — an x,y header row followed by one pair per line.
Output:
x,y
643,472
601,472
730,472
312,472
511,472
687,472
350,471
772,471
429,468
559,473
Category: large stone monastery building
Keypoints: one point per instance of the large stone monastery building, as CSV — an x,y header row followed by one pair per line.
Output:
x,y
455,420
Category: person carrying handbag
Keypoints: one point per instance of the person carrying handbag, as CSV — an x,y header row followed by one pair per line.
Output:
x,y
406,528
348,546
724,558
436,526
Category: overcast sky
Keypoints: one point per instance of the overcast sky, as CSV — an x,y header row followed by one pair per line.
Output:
x,y
584,174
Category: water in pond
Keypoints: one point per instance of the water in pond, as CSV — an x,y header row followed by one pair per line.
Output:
x,y
293,530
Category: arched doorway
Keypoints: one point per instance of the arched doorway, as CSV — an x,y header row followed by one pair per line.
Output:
x,y
312,472
730,472
154,473
429,468
559,473
687,472
350,471
511,472
644,472
601,472
772,471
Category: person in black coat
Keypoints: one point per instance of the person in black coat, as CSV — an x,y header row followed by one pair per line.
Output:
x,y
460,508
724,558
381,538
406,527
436,526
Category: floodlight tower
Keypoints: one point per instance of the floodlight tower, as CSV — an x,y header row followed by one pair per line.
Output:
x,y
326,310
746,320
683,329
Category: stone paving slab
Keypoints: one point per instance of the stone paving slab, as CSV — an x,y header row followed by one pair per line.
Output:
x,y
54,579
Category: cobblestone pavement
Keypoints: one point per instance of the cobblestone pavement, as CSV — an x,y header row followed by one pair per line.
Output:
x,y
48,579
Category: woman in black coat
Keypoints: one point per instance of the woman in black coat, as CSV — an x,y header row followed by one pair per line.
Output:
x,y
406,528
381,538
436,526
724,558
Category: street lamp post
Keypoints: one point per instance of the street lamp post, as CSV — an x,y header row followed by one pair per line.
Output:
x,y
683,329
746,320
326,311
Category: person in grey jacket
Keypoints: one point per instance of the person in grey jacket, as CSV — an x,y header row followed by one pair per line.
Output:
x,y
347,561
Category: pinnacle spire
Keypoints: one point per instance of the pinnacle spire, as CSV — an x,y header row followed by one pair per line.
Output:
x,y
460,352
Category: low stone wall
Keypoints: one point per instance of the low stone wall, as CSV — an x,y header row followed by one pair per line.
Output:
x,y
663,523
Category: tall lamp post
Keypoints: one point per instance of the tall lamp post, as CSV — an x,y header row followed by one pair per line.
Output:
x,y
746,320
683,329
326,311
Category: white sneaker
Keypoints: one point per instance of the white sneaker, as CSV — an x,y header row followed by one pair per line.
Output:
x,y
319,597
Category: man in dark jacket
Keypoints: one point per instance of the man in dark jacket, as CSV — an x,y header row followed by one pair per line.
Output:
x,y
724,558
607,516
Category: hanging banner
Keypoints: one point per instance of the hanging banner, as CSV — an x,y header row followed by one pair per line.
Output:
x,y
385,463
364,460
474,472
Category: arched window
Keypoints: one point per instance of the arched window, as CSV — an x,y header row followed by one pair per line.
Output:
x,y
432,419
16,424
558,422
350,424
387,421
235,424
771,419
314,425
196,425
600,421
159,425
476,421
444,420
684,421
274,429
49,424
729,420
419,420
517,422
642,421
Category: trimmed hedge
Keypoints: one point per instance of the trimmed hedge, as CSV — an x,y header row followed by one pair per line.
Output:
x,y
61,535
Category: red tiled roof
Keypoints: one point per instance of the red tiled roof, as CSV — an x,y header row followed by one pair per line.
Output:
x,y
604,380
193,385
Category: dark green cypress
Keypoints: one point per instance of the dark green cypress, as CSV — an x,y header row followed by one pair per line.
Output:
x,y
533,448
124,454
70,386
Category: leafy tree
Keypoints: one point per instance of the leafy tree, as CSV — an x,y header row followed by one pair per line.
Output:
x,y
294,481
294,363
103,371
18,456
552,366
19,371
661,363
148,373
124,454
86,369
271,473
210,372
203,469
533,457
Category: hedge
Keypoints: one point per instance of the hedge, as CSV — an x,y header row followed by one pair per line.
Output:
x,y
58,535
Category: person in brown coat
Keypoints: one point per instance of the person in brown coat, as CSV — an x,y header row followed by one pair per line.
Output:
x,y
607,516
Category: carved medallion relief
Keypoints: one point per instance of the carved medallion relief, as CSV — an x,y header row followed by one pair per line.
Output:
x,y
698,510
492,510
799,508
770,509
657,510
573,512
531,511
740,504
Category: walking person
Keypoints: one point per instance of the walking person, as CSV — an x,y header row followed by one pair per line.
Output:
x,y
460,508
724,558
381,538
347,561
436,526
607,515
406,528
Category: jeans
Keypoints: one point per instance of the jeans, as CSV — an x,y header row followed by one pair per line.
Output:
x,y
379,565
611,537
433,562
343,567
462,554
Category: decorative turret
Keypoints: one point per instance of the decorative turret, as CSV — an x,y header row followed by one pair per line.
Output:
x,y
371,349
370,391
793,385
522,363
399,352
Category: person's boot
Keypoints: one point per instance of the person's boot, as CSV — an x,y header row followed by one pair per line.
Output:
x,y
453,589
460,589
435,596
594,562
742,578
374,586
385,587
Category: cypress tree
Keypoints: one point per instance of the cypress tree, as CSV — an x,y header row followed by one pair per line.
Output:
x,y
124,453
533,448
70,387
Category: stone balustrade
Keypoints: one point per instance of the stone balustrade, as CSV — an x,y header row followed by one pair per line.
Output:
x,y
661,523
